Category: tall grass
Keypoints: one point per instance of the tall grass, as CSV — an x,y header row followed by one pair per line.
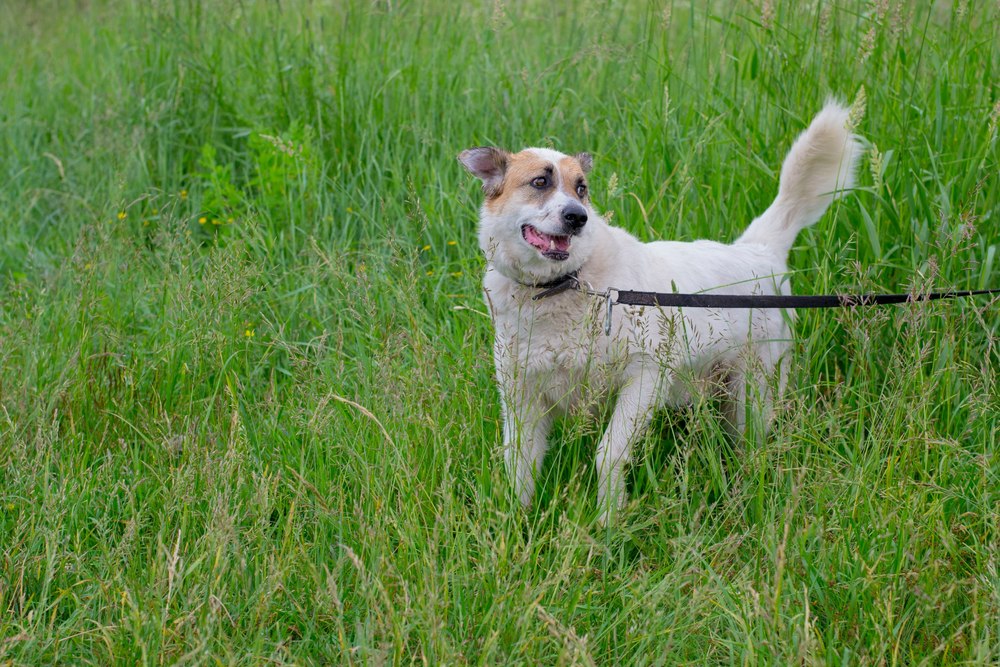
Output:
x,y
247,411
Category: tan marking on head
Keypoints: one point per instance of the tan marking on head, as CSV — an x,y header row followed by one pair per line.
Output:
x,y
570,174
521,169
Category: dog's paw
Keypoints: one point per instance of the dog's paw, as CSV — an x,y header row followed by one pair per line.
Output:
x,y
610,508
524,488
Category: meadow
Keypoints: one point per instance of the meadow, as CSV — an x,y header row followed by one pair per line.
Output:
x,y
247,409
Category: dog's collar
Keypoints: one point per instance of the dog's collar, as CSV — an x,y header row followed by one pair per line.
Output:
x,y
554,286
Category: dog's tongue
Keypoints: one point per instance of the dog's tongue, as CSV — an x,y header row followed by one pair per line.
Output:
x,y
546,242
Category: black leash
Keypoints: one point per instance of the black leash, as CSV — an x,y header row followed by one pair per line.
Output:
x,y
614,297
633,298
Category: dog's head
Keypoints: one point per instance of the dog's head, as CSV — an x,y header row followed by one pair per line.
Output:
x,y
537,222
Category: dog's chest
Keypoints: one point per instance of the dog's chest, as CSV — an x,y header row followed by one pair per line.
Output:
x,y
556,349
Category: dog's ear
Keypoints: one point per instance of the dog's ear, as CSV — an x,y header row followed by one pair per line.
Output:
x,y
487,164
586,161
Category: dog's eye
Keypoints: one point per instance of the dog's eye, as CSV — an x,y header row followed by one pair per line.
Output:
x,y
540,182
581,191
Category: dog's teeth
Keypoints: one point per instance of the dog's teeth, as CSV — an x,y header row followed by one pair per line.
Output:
x,y
552,244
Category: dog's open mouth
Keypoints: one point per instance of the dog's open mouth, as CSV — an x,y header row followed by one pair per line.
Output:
x,y
552,246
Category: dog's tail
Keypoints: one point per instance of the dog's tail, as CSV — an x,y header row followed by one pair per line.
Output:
x,y
818,168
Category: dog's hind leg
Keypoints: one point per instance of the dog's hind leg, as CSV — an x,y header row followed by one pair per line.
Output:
x,y
632,414
754,381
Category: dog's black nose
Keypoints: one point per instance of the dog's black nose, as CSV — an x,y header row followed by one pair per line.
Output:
x,y
574,216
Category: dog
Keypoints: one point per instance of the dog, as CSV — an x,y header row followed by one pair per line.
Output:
x,y
538,228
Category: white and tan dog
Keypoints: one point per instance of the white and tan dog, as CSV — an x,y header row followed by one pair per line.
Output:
x,y
538,225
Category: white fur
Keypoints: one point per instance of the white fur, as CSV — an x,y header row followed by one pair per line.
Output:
x,y
552,355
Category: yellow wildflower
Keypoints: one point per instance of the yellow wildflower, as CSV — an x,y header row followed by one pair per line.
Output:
x,y
202,220
122,215
452,242
426,248
249,333
184,194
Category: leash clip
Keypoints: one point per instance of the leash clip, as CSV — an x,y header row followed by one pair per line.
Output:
x,y
610,302
610,295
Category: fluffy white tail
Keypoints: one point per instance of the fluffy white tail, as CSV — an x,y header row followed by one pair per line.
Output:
x,y
817,169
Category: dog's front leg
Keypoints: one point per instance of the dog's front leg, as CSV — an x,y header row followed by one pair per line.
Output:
x,y
526,429
631,416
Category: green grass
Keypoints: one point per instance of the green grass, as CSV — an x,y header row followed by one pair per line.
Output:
x,y
274,439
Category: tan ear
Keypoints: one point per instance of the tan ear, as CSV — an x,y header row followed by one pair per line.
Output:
x,y
486,163
586,161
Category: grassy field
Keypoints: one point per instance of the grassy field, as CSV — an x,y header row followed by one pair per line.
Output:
x,y
247,413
